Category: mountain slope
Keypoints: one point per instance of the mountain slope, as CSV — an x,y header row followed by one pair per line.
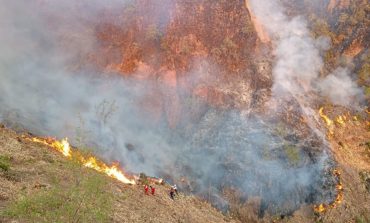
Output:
x,y
39,178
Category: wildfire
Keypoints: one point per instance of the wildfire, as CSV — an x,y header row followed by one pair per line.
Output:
x,y
338,199
111,171
91,162
327,120
61,146
341,119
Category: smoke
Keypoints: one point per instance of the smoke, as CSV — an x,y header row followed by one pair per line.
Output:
x,y
340,88
213,148
298,58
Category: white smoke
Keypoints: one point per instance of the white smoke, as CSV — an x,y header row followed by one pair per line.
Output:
x,y
298,60
340,88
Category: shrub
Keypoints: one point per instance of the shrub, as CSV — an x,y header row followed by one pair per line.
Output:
x,y
143,179
292,154
5,163
360,219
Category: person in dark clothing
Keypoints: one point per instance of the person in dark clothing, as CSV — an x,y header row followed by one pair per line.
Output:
x,y
172,193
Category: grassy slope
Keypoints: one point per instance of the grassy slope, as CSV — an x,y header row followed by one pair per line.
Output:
x,y
350,146
48,182
43,186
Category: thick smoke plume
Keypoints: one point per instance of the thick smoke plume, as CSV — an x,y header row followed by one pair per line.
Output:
x,y
260,156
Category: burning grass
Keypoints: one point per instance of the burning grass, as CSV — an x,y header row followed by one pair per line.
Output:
x,y
291,152
41,174
339,121
53,190
87,161
321,208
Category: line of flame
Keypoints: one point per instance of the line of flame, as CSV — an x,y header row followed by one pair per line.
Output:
x,y
338,199
92,162
341,119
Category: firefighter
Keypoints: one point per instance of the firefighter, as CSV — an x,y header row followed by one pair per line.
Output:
x,y
172,193
152,190
175,189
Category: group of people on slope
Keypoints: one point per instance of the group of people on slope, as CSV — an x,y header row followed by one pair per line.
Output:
x,y
146,189
173,191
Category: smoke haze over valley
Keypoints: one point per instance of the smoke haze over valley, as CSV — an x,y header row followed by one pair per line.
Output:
x,y
184,116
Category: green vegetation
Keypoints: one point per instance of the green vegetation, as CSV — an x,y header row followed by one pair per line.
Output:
x,y
364,75
84,201
4,163
364,72
153,33
321,28
361,219
367,91
143,179
280,130
292,154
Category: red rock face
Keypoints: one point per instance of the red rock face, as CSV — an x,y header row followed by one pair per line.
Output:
x,y
166,48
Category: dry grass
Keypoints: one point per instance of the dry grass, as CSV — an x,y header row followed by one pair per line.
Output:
x,y
38,180
42,186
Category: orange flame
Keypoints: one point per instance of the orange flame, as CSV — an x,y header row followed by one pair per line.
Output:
x,y
341,120
90,162
327,120
320,208
338,199
60,146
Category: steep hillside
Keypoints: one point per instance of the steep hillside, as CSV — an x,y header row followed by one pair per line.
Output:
x,y
38,184
258,107
346,24
350,145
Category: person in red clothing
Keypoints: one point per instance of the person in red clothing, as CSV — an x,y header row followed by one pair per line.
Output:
x,y
146,189
152,190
